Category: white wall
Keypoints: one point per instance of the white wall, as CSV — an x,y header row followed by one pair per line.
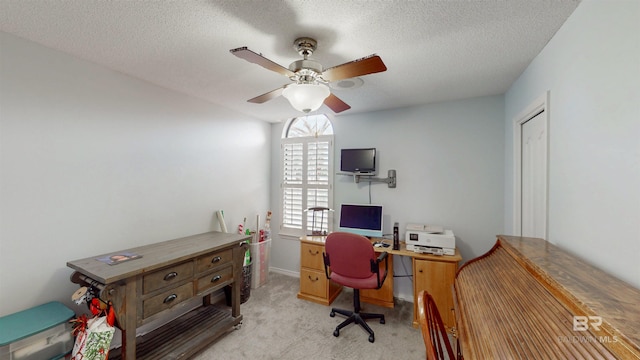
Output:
x,y
93,161
449,163
592,69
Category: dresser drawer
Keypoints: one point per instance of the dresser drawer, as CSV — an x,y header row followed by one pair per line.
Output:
x,y
214,279
311,256
166,299
212,260
167,276
313,283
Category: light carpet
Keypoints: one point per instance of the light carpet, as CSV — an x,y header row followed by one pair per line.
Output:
x,y
277,325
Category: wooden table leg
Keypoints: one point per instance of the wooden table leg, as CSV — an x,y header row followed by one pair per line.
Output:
x,y
131,316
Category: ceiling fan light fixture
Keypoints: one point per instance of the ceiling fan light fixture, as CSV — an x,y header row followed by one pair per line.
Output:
x,y
306,97
311,81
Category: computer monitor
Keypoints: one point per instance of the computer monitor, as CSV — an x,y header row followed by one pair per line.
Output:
x,y
362,219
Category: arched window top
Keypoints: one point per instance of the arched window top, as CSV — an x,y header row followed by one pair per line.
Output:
x,y
311,125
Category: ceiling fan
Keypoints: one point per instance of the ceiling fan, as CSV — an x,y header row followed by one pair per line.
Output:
x,y
309,89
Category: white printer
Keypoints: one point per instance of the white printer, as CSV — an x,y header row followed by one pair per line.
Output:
x,y
430,239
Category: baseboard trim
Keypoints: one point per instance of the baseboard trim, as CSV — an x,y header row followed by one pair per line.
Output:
x,y
284,272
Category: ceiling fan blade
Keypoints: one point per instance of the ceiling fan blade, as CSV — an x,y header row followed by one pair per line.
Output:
x,y
367,65
255,58
335,104
267,96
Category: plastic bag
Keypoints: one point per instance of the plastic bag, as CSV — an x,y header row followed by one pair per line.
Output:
x,y
93,338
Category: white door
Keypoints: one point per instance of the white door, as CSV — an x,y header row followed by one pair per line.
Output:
x,y
533,221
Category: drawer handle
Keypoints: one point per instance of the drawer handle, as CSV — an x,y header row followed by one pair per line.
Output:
x,y
314,253
170,276
216,259
170,298
216,278
317,278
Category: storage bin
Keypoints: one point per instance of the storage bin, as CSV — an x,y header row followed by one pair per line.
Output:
x,y
245,287
42,332
260,258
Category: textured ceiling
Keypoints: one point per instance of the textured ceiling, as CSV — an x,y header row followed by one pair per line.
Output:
x,y
434,50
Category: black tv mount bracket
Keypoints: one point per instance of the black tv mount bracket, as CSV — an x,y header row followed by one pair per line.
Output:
x,y
390,180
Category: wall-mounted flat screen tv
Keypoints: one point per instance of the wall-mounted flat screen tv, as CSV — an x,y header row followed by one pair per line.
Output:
x,y
358,160
361,219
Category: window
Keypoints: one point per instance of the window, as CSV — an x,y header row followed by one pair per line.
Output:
x,y
307,174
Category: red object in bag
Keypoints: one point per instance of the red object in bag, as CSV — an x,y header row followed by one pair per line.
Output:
x,y
111,315
94,307
79,324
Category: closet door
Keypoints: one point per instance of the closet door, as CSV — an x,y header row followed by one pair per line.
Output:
x,y
534,177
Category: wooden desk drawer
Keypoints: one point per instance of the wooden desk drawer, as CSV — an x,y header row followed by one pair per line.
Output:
x,y
311,256
167,276
313,283
212,260
167,299
214,279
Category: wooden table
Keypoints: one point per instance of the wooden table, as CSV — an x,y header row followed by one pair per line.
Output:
x,y
434,273
162,280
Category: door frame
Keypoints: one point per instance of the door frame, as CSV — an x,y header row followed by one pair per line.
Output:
x,y
539,105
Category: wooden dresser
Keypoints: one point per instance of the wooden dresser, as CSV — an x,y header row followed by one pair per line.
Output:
x,y
528,299
161,282
430,272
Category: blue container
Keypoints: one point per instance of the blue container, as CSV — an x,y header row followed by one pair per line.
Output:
x,y
42,332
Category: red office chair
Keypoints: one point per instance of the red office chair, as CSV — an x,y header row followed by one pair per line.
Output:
x,y
353,263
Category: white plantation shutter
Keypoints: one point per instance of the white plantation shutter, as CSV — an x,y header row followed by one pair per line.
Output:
x,y
318,197
318,162
318,181
293,170
307,181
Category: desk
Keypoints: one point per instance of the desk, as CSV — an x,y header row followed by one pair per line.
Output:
x,y
167,275
433,273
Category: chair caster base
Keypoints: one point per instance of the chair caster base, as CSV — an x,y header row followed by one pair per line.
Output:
x,y
372,338
336,333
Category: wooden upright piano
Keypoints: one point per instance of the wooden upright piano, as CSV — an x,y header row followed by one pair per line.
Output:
x,y
528,299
